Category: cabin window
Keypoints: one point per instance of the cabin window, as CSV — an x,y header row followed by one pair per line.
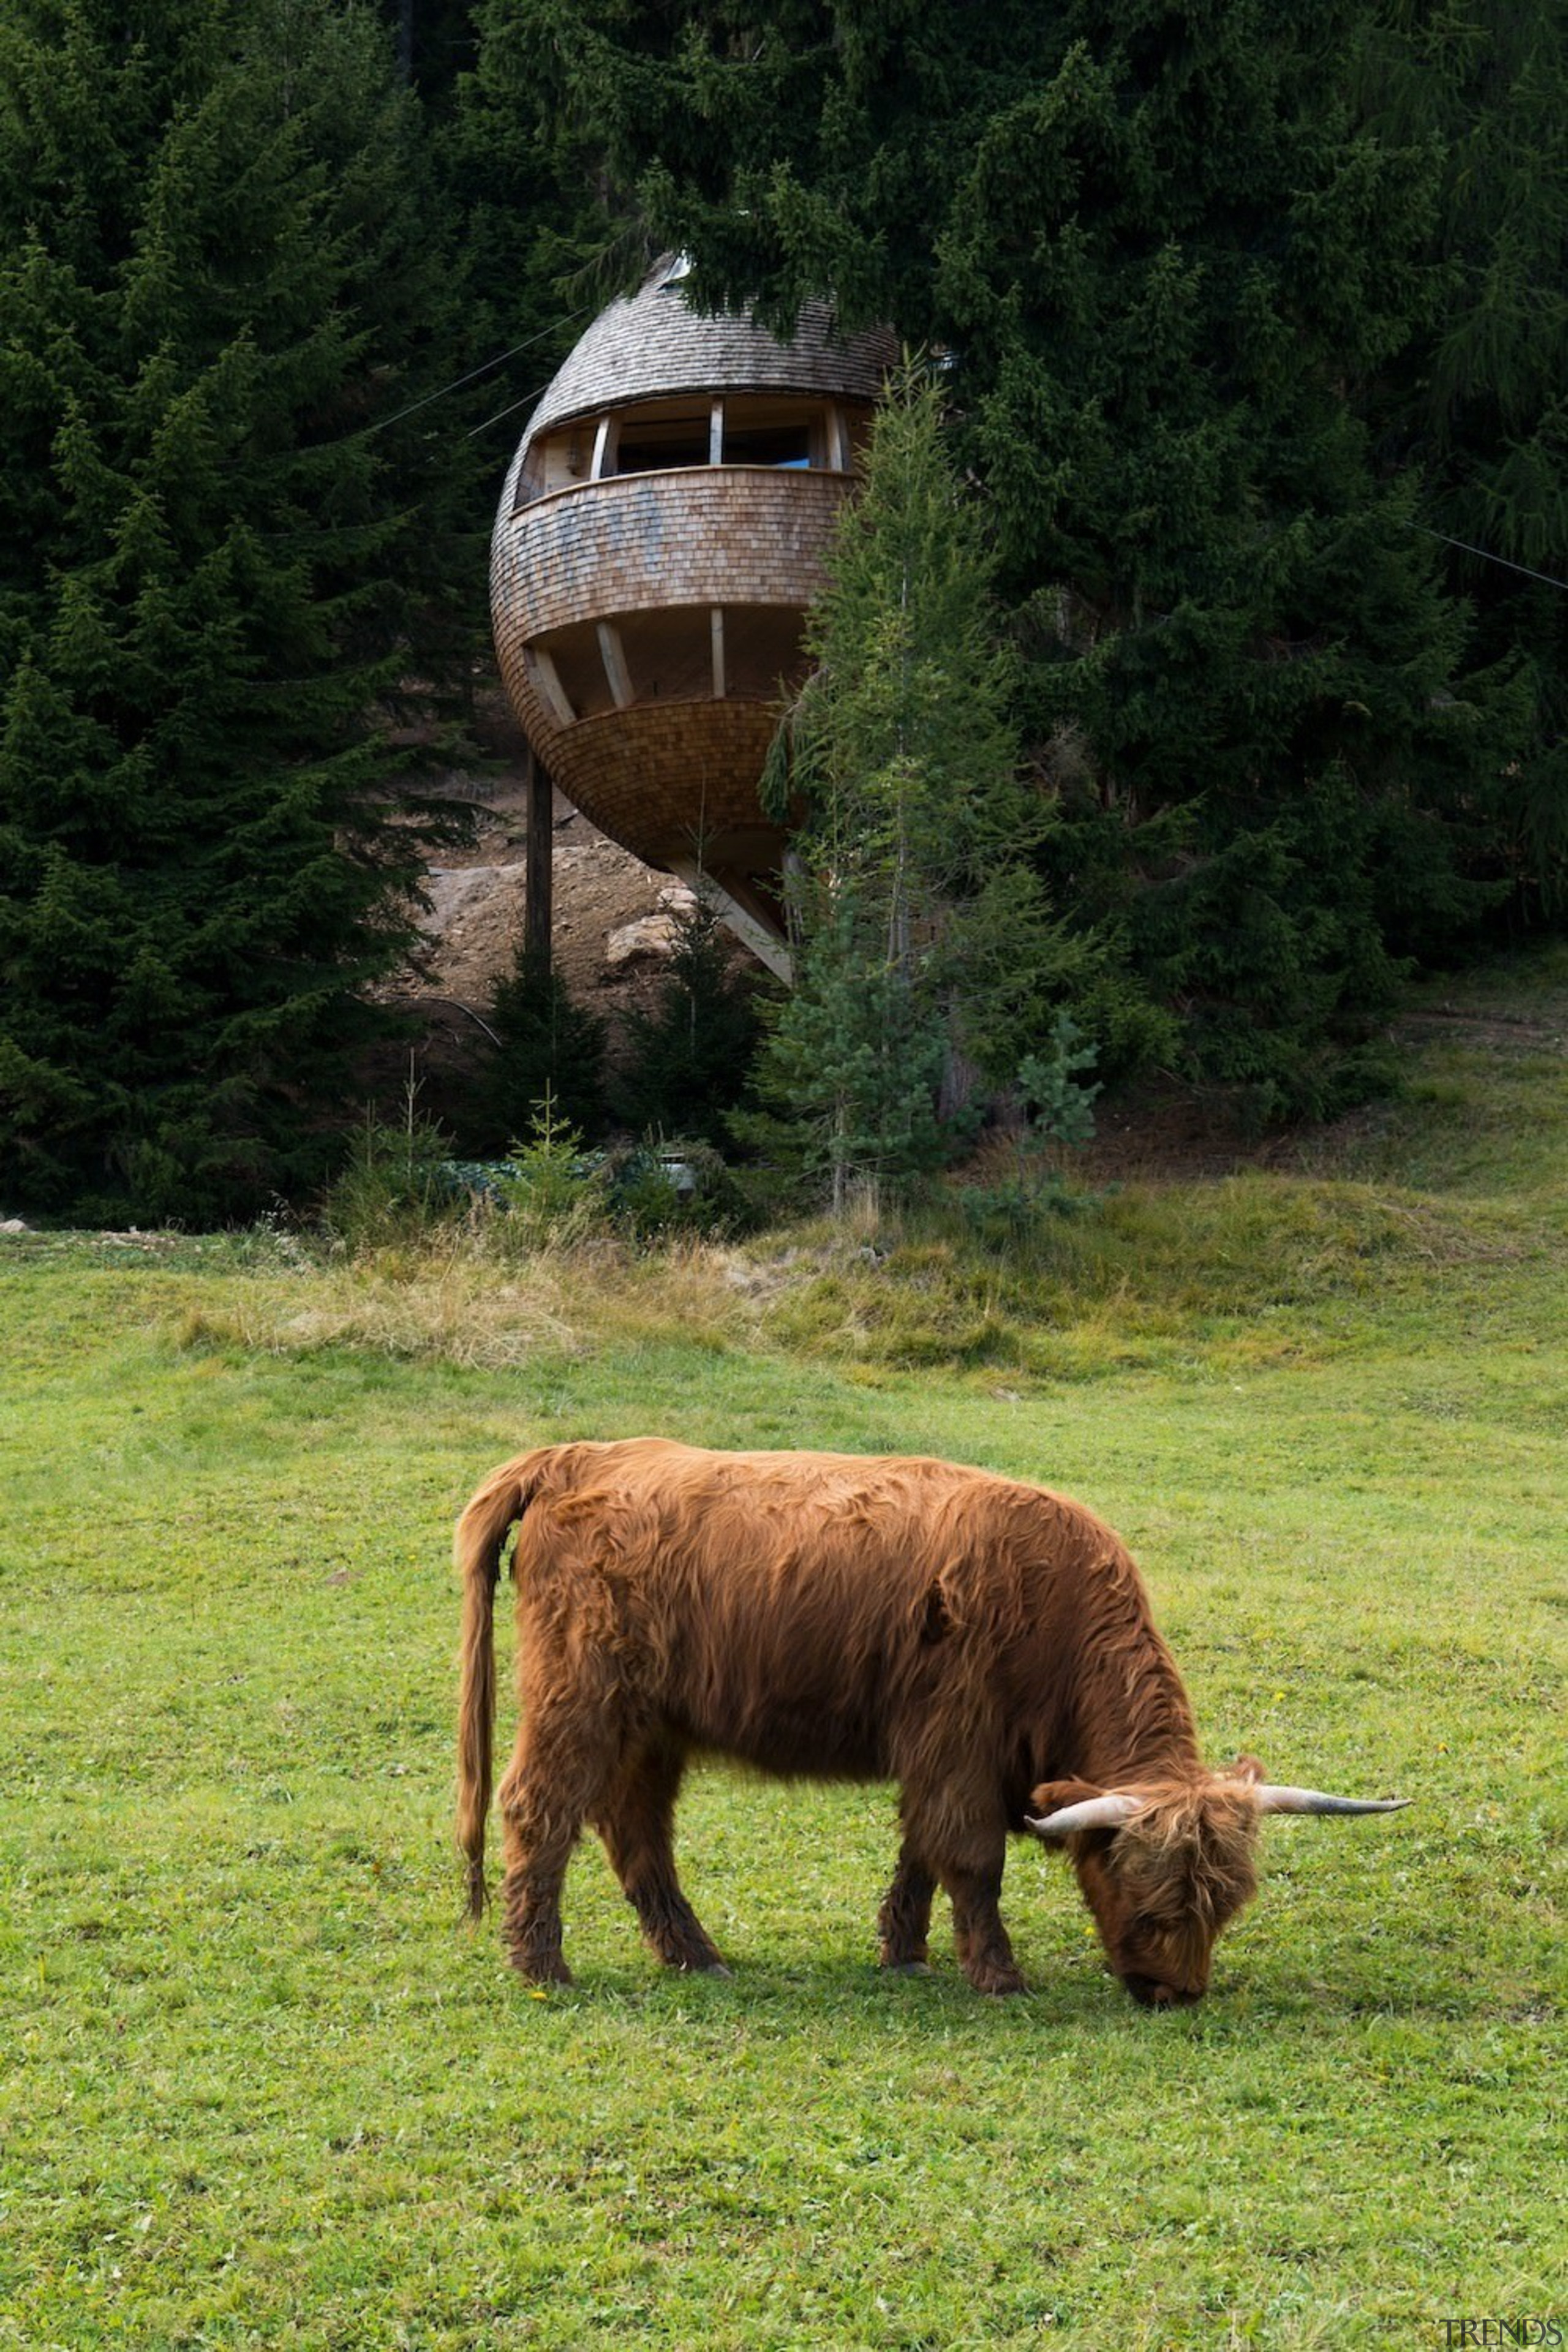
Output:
x,y
555,461
791,434
767,445
668,652
762,649
651,441
786,433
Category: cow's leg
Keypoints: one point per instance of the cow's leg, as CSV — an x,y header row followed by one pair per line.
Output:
x,y
635,1821
951,1834
904,1923
984,1953
556,1777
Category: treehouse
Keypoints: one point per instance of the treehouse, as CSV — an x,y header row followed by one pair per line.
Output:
x,y
663,527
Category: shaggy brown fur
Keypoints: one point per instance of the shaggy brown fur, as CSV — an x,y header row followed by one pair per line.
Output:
x,y
986,1644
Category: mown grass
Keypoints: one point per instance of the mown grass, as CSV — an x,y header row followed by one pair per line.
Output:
x,y
261,2090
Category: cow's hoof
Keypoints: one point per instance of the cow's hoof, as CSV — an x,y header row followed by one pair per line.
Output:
x,y
710,1969
905,1968
998,1984
542,1972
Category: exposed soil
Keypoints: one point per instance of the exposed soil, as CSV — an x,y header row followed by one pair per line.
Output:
x,y
474,922
612,925
1163,1129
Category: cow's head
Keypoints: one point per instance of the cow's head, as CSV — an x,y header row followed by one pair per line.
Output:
x,y
1166,1866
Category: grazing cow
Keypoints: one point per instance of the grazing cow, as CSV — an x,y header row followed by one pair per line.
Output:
x,y
986,1644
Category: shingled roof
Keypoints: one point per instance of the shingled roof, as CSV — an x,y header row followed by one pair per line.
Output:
x,y
651,345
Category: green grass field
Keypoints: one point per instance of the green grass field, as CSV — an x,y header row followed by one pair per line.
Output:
x,y
260,2090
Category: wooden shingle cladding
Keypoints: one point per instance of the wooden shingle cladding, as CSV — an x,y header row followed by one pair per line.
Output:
x,y
661,779
702,576
701,535
663,528
649,346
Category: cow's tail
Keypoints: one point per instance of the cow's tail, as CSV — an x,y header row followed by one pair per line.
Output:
x,y
477,1549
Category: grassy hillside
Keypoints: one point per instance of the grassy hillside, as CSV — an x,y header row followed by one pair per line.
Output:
x,y
262,2091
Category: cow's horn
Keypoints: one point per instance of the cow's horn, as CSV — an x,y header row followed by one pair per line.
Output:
x,y
1270,1799
1105,1813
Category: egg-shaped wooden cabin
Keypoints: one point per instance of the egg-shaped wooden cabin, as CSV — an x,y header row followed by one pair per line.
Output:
x,y
663,527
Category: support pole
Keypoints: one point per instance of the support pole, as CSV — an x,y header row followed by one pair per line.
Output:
x,y
536,881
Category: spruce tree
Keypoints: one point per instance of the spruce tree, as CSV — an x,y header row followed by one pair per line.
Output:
x,y
222,277
550,1049
1191,281
1224,599
921,935
546,241
1475,403
687,1056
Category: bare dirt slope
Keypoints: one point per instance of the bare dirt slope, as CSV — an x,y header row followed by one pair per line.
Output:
x,y
473,922
612,928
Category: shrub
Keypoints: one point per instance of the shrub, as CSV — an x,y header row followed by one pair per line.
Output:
x,y
1058,1117
550,1188
397,1183
659,1188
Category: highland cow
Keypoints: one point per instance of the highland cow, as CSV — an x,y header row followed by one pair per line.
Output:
x,y
986,1644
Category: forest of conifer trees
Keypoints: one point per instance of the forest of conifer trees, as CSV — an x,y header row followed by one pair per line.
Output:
x,y
1247,326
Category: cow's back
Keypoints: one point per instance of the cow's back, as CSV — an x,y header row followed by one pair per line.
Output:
x,y
802,1612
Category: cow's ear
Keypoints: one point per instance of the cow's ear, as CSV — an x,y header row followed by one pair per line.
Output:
x,y
1052,1795
1246,1767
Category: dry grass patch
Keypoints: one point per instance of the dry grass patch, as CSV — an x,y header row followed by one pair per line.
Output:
x,y
1252,1271
454,1301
